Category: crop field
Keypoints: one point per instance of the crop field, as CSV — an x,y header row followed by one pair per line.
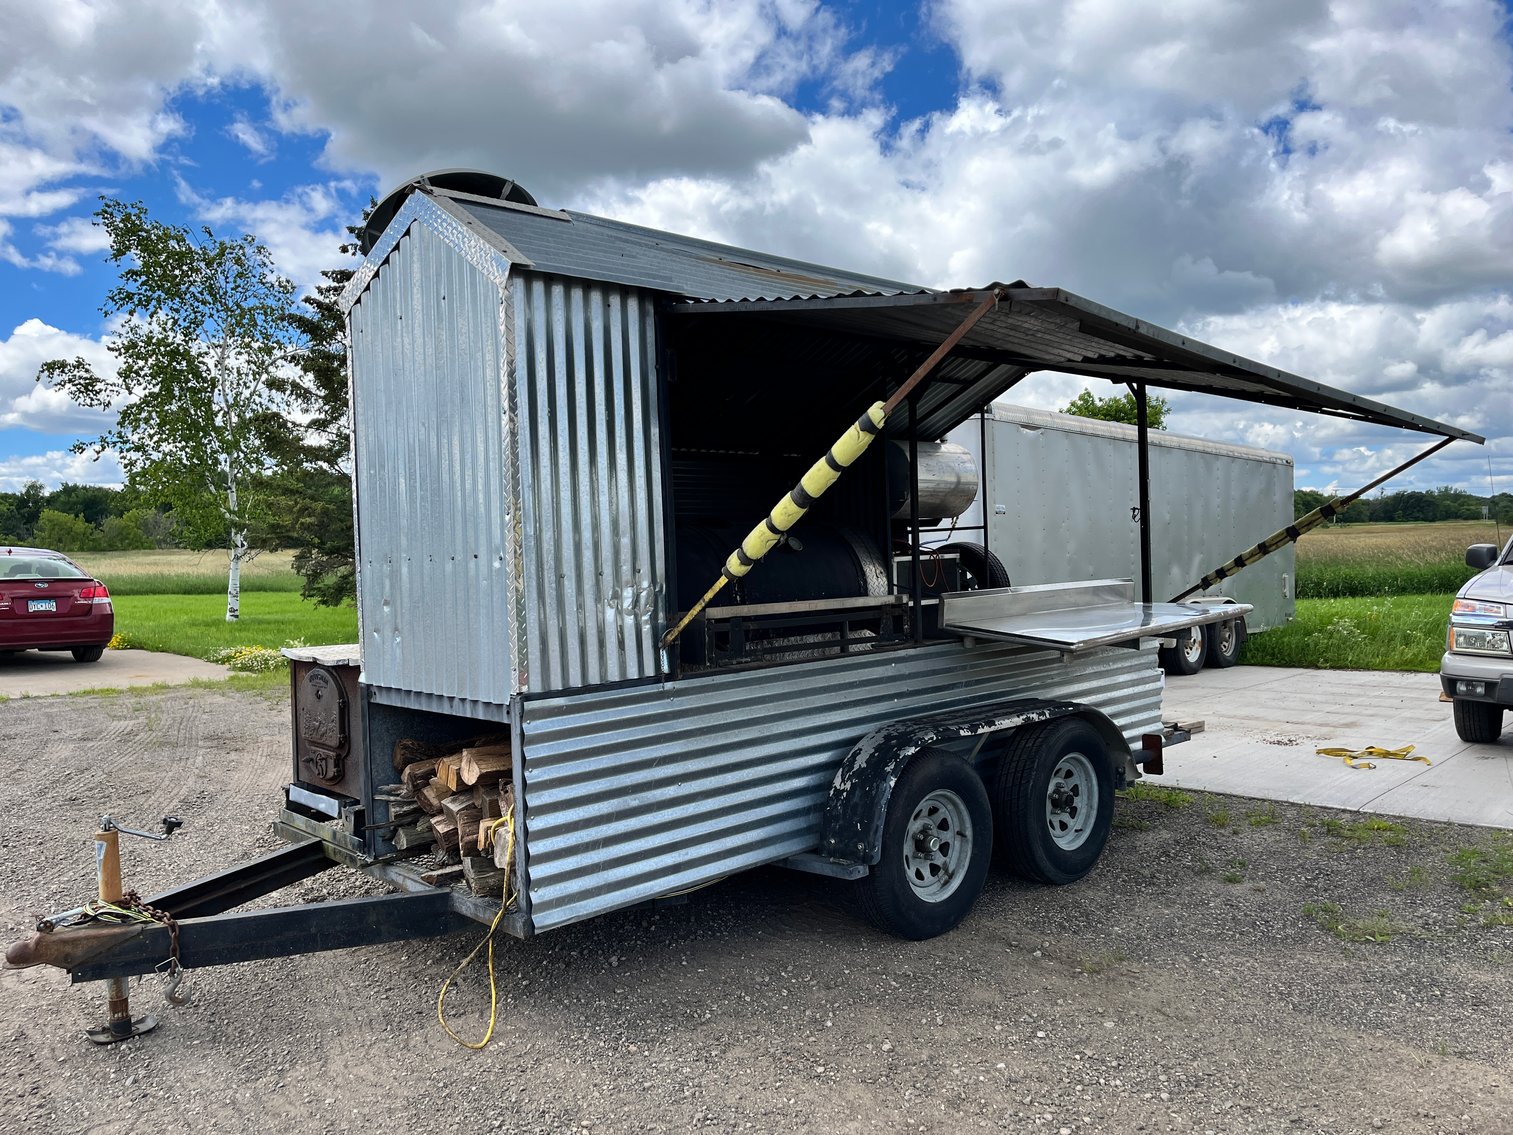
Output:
x,y
1389,559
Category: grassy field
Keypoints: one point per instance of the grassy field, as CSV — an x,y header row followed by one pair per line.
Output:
x,y
196,624
175,572
1389,559
175,601
1374,596
1398,632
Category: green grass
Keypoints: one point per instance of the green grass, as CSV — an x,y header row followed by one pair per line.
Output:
x,y
196,624
177,572
1376,927
1171,797
1404,632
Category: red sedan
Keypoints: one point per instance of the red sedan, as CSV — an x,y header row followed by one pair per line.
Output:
x,y
48,602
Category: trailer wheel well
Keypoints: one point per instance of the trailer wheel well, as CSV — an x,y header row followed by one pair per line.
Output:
x,y
859,795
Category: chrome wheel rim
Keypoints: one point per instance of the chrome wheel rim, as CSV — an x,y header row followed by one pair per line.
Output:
x,y
1224,637
1192,645
1071,801
937,845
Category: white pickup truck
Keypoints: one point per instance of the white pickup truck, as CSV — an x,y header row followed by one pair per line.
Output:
x,y
1477,670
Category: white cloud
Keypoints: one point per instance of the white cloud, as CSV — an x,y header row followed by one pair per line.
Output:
x,y
1324,184
76,234
27,404
57,466
47,261
254,141
303,230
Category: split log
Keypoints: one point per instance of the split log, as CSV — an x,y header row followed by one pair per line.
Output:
x,y
448,771
430,797
410,750
414,836
485,764
445,830
486,800
418,775
482,876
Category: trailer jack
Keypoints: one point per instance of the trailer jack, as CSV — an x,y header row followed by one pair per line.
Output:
x,y
210,932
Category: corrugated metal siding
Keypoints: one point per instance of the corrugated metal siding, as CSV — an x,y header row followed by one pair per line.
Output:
x,y
635,793
590,481
428,365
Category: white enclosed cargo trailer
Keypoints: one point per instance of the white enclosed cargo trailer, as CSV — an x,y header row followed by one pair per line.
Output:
x,y
1064,505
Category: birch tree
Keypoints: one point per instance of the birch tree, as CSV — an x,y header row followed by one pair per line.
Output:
x,y
200,327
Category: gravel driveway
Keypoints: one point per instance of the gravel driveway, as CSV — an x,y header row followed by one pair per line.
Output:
x,y
1216,973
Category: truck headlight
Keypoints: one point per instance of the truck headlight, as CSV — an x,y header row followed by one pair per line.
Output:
x,y
1475,640
1479,607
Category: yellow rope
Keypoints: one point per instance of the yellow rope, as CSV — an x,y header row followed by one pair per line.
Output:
x,y
1356,758
506,900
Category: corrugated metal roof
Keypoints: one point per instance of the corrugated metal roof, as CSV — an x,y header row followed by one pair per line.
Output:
x,y
1051,329
594,248
1031,328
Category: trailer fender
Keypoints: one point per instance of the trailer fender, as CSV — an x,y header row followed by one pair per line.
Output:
x,y
863,785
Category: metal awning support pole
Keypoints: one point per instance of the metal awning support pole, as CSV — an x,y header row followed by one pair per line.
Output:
x,y
1306,523
1142,425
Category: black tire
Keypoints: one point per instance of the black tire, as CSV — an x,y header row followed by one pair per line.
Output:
x,y
88,653
1479,722
1188,656
1225,641
1048,830
982,567
910,893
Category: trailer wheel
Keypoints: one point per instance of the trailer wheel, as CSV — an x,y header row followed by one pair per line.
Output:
x,y
1188,656
1479,722
1055,800
937,842
982,567
1225,641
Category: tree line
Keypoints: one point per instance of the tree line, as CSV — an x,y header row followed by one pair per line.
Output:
x,y
1444,503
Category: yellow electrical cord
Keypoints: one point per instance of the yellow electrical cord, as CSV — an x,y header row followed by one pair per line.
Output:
x,y
1356,758
506,900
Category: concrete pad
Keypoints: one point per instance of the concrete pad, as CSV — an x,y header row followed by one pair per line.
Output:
x,y
1263,725
34,674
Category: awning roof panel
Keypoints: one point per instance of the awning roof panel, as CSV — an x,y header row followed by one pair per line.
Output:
x,y
1053,329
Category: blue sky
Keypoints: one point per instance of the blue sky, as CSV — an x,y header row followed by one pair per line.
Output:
x,y
1326,186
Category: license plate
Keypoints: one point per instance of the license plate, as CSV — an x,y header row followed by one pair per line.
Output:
x,y
35,605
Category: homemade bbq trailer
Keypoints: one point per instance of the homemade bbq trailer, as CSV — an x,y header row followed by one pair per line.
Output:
x,y
565,430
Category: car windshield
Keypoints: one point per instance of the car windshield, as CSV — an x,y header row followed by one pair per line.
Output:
x,y
37,567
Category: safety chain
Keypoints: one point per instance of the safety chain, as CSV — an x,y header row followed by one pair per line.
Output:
x,y
133,901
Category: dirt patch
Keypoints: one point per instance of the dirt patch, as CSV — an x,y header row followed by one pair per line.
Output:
x,y
1231,966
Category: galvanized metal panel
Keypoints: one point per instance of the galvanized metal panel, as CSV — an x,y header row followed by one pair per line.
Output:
x,y
638,792
590,486
596,248
431,448
1067,487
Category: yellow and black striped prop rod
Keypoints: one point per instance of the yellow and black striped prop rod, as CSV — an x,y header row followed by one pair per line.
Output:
x,y
1306,523
824,473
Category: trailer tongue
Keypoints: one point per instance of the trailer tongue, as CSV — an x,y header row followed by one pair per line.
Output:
x,y
561,427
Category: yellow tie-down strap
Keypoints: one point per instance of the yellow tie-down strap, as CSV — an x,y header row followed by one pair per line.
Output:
x,y
1362,758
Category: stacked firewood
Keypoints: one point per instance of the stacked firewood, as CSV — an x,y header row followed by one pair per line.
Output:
x,y
451,797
